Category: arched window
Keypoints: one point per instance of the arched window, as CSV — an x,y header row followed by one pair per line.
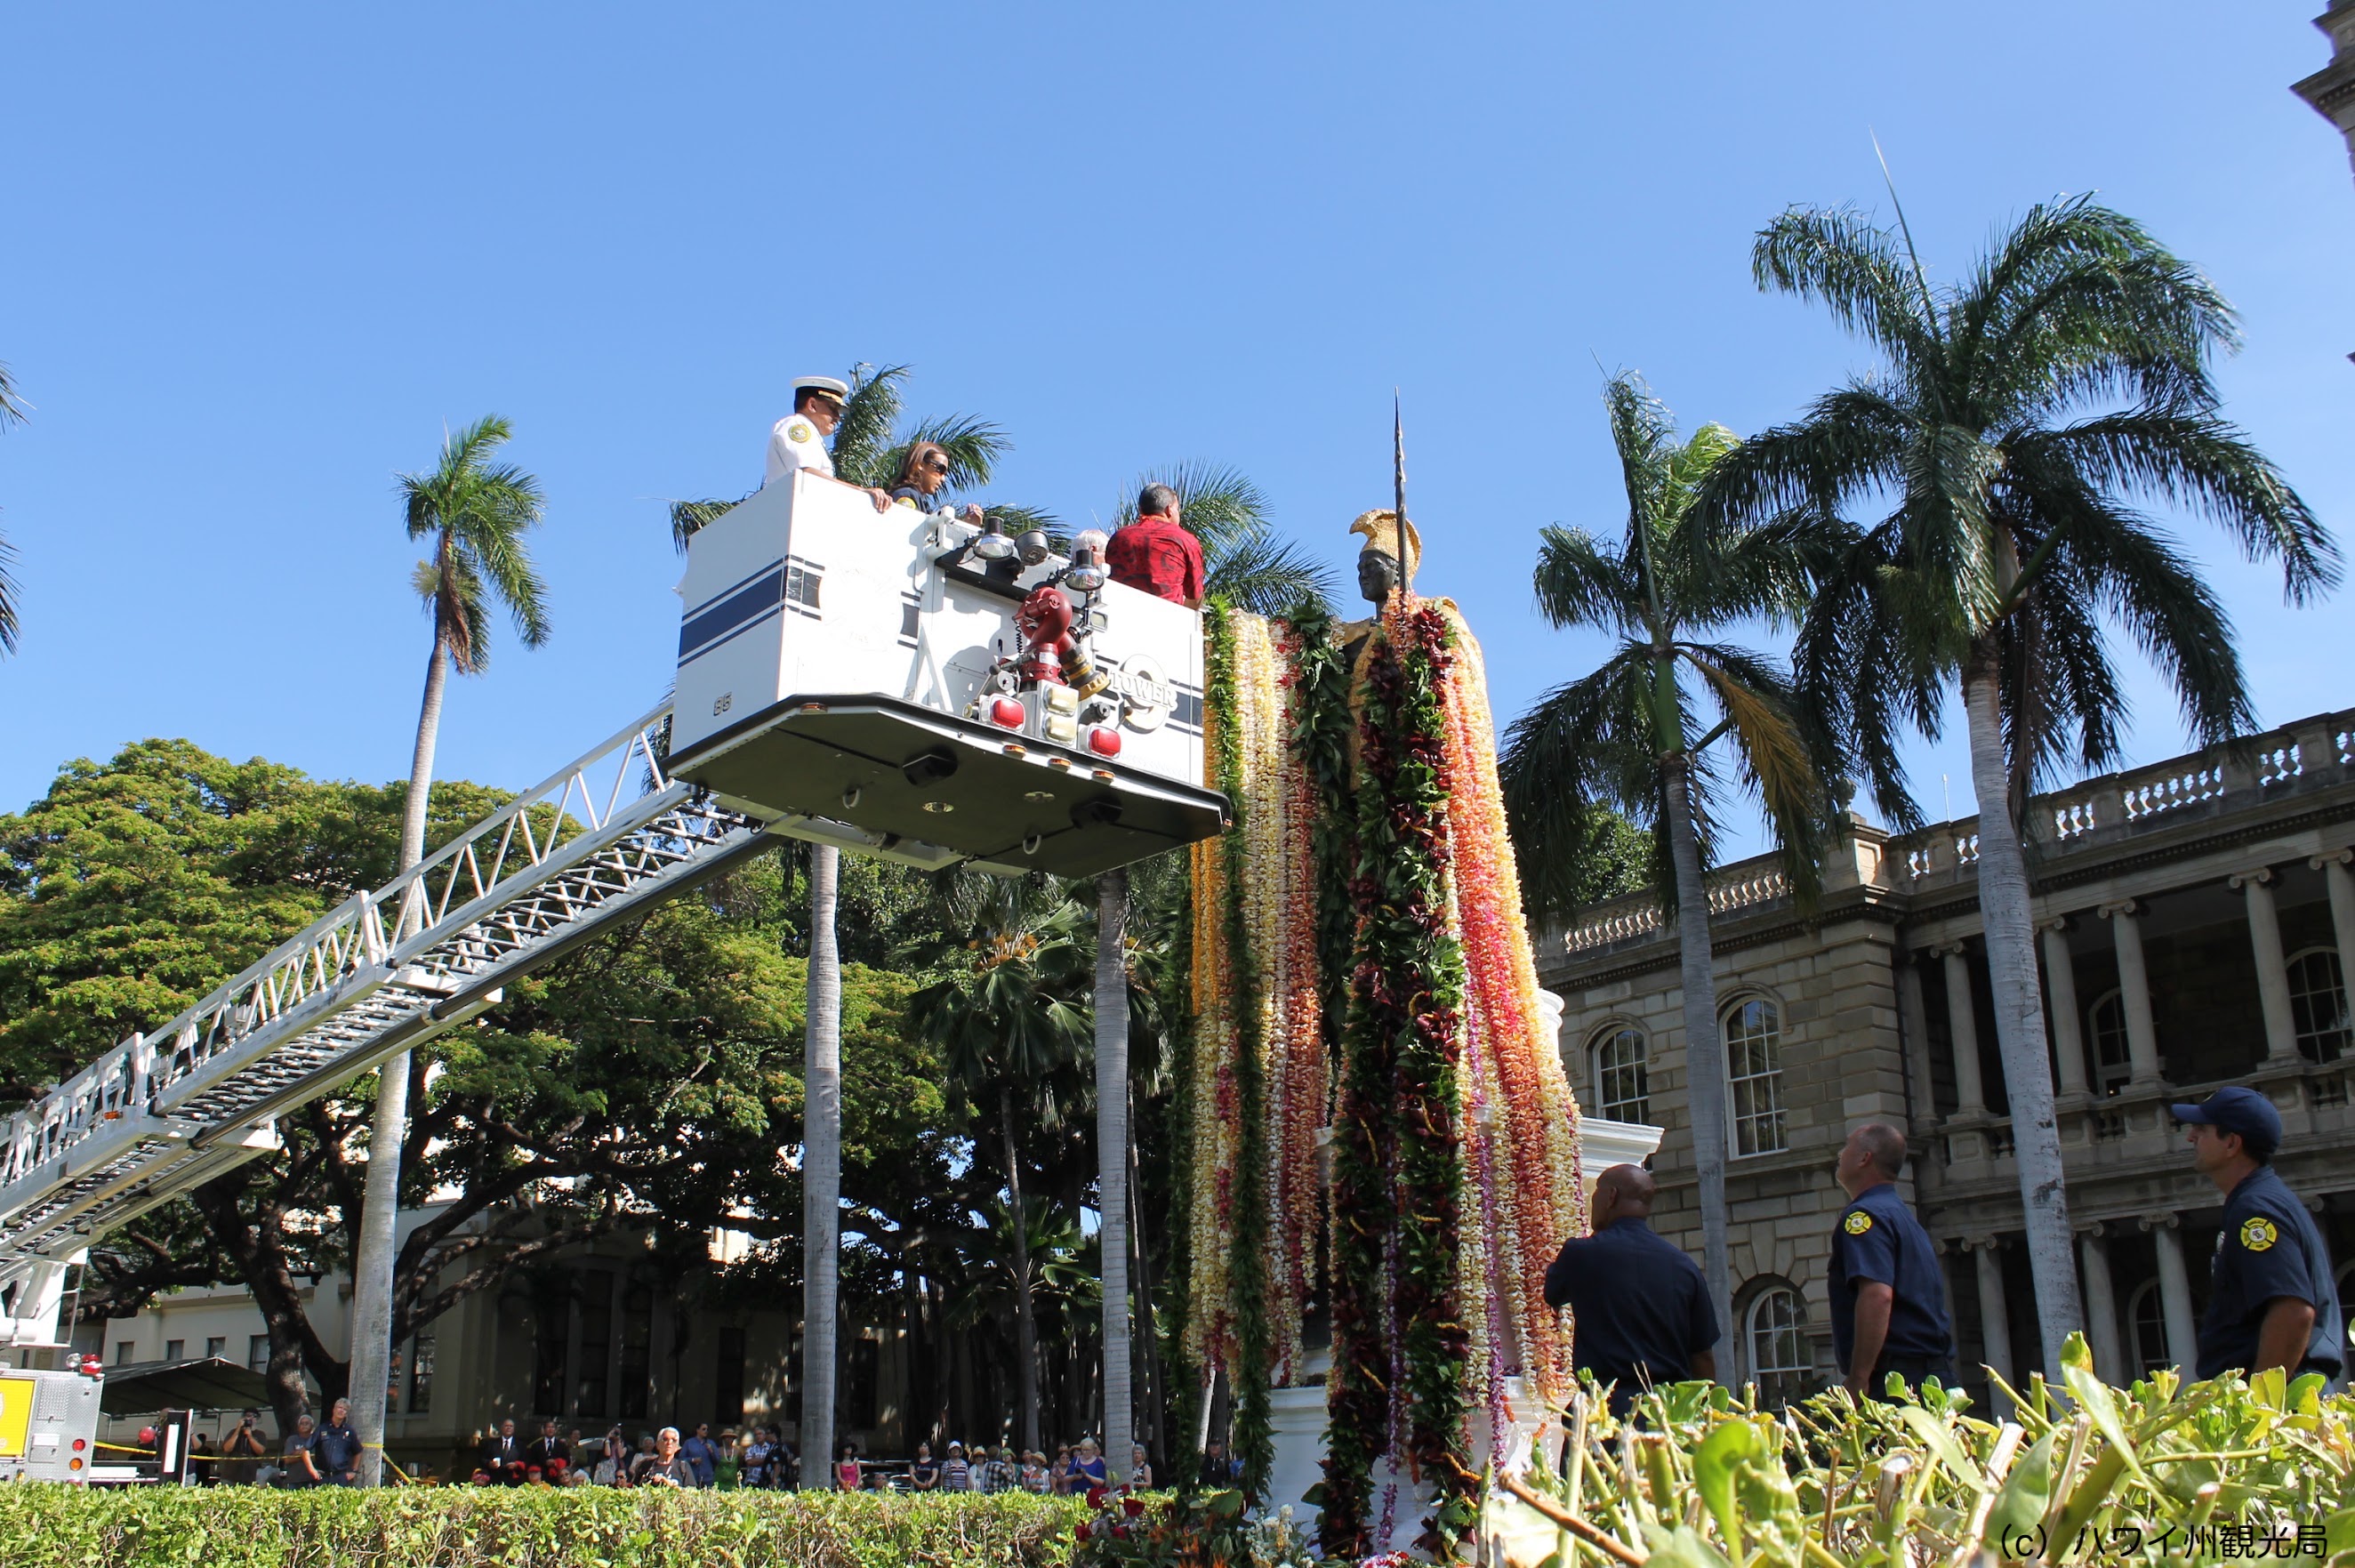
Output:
x,y
2318,1005
2105,1024
1754,1066
1776,1330
2146,1314
1622,1087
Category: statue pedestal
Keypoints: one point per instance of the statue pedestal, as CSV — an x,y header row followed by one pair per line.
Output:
x,y
1297,1414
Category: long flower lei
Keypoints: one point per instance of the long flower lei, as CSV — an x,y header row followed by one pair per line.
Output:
x,y
1400,1342
1234,912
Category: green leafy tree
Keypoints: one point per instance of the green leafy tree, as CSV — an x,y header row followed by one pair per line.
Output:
x,y
1008,1008
1641,735
2017,419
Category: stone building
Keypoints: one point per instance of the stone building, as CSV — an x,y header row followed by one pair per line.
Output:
x,y
2331,89
2196,924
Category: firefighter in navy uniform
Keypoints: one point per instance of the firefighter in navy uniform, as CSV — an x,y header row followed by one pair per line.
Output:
x,y
2272,1301
1888,1295
1640,1303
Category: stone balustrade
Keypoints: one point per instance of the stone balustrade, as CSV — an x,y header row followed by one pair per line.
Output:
x,y
2312,753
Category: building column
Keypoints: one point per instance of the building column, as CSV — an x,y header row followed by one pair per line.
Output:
x,y
1995,1307
2339,881
2101,1306
1962,1024
2273,967
2175,1290
2133,992
2060,988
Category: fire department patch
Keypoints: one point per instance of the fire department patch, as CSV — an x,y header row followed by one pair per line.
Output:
x,y
1856,1223
2258,1233
800,429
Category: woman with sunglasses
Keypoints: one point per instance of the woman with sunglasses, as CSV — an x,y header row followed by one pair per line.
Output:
x,y
924,474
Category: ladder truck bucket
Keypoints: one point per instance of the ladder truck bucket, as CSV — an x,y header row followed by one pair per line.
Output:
x,y
921,690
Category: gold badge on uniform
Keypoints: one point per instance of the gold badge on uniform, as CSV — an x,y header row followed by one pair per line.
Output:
x,y
1856,1223
799,430
2258,1233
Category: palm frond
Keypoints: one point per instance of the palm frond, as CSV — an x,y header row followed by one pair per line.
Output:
x,y
1785,758
1265,575
2204,464
1854,269
688,518
8,626
974,446
11,411
1850,440
863,441
1583,581
1220,502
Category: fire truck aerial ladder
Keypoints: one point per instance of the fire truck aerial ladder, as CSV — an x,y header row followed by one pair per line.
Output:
x,y
904,686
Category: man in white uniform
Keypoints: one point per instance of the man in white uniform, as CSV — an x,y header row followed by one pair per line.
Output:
x,y
798,440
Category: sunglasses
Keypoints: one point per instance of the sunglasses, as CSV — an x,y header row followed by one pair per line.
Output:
x,y
937,465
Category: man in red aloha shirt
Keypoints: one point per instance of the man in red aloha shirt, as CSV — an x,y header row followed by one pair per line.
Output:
x,y
1154,554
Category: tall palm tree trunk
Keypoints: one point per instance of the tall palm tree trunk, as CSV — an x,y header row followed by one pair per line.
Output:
x,y
1112,1162
1704,1045
821,1173
1026,1325
1148,1337
2007,920
372,1253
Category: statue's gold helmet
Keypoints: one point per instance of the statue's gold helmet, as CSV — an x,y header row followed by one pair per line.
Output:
x,y
1382,533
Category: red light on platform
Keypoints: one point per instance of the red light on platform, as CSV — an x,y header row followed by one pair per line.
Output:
x,y
1007,713
81,1444
1104,742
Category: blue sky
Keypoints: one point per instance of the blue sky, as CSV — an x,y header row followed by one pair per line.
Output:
x,y
256,260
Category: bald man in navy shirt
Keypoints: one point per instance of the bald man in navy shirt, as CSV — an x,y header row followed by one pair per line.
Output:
x,y
1642,1314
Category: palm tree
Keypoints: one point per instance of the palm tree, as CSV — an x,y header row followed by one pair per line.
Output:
x,y
1244,561
2017,419
1637,733
476,513
1006,1010
11,411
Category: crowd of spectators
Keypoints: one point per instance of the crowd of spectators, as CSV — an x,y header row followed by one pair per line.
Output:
x,y
1076,1468
756,1457
326,1453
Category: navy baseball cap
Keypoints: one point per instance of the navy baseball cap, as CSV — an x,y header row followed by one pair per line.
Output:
x,y
2233,1109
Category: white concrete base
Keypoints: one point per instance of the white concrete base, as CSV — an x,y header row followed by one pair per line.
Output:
x,y
1297,1416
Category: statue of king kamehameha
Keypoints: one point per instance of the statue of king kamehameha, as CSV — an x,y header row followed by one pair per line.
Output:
x,y
1383,1144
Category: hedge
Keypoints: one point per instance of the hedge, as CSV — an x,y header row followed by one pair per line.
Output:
x,y
45,1526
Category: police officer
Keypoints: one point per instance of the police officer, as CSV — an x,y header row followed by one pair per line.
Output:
x,y
1642,1310
798,440
2272,1301
1888,1298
